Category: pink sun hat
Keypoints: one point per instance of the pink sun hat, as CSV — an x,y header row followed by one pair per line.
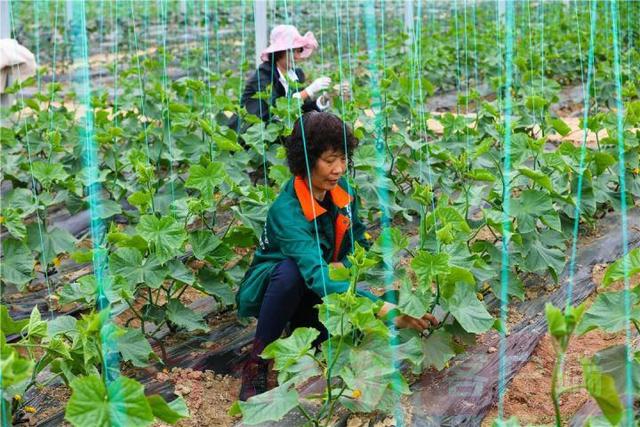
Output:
x,y
285,37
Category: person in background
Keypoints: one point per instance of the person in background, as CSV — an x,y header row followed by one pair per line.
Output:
x,y
287,48
289,273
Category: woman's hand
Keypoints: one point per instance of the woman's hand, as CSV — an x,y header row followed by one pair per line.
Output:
x,y
317,86
405,321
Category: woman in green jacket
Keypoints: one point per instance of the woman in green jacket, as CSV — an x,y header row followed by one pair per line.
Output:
x,y
308,228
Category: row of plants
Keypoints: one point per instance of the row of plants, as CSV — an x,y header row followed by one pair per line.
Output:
x,y
457,41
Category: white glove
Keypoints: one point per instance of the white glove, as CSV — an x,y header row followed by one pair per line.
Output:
x,y
324,101
317,86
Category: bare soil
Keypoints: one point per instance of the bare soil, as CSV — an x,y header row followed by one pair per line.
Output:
x,y
52,397
207,394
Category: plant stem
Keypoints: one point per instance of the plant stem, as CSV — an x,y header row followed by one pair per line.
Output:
x,y
137,314
306,415
333,404
555,396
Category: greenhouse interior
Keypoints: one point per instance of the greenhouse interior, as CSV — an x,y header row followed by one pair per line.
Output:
x,y
319,213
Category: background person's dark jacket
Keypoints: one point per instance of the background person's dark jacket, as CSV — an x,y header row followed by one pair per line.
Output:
x,y
265,75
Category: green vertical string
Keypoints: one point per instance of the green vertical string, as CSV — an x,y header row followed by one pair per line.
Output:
x,y
36,20
115,65
207,62
383,8
216,29
475,49
344,126
142,91
506,206
315,220
629,396
422,124
186,42
458,83
53,65
383,193
467,94
110,363
542,71
167,120
531,63
243,55
36,199
583,149
500,53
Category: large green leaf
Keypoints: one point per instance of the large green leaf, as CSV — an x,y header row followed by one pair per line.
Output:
x,y
531,205
414,303
21,199
390,242
165,235
48,173
135,348
178,271
538,257
109,208
12,221
211,282
51,242
17,263
128,263
63,325
171,412
369,373
203,242
616,270
410,351
602,388
185,317
14,368
269,406
286,351
538,177
608,312
613,361
122,403
8,326
206,179
438,349
470,312
427,265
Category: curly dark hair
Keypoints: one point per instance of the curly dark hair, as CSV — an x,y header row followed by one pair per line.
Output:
x,y
323,132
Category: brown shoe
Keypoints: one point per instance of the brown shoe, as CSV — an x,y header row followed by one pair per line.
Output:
x,y
254,378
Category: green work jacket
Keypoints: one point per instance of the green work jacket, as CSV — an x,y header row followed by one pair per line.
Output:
x,y
290,232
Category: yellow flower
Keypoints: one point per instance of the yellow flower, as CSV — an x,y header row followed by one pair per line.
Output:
x,y
367,235
635,171
56,262
17,397
356,393
30,409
